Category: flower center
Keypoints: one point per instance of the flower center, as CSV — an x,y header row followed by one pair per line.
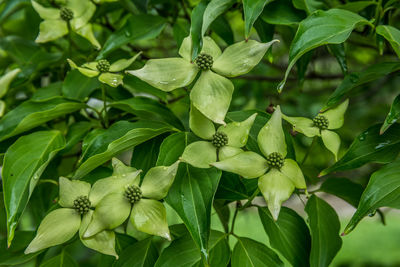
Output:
x,y
275,160
204,61
82,204
219,139
103,65
321,122
66,14
133,193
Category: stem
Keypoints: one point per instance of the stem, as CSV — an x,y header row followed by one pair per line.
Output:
x,y
248,203
105,117
234,217
308,151
69,40
42,181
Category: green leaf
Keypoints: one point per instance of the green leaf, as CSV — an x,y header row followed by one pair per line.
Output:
x,y
392,35
75,134
343,188
213,10
282,13
77,86
137,27
30,114
355,79
223,29
167,74
120,137
30,56
357,6
308,5
173,146
232,187
189,254
14,255
61,260
191,196
148,109
392,116
382,191
196,28
144,156
137,87
369,146
324,226
141,254
320,28
339,52
252,9
250,253
289,235
34,153
11,7
212,95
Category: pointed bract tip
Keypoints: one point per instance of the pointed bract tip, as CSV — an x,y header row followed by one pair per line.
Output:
x,y
343,234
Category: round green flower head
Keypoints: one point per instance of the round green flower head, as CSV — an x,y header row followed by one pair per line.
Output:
x,y
66,14
103,65
219,139
133,193
275,160
321,122
204,61
82,204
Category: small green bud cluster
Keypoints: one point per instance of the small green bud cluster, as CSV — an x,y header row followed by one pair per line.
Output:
x,y
219,139
275,160
103,65
133,193
204,61
321,122
66,14
82,204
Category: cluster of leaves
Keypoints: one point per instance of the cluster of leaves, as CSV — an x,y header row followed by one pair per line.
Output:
x,y
67,112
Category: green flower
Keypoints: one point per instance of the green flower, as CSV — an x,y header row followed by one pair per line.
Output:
x,y
127,197
212,92
322,125
278,175
223,143
62,224
106,71
76,13
5,82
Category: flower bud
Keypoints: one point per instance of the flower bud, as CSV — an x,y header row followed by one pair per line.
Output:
x,y
66,14
275,160
321,122
219,139
204,61
103,65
